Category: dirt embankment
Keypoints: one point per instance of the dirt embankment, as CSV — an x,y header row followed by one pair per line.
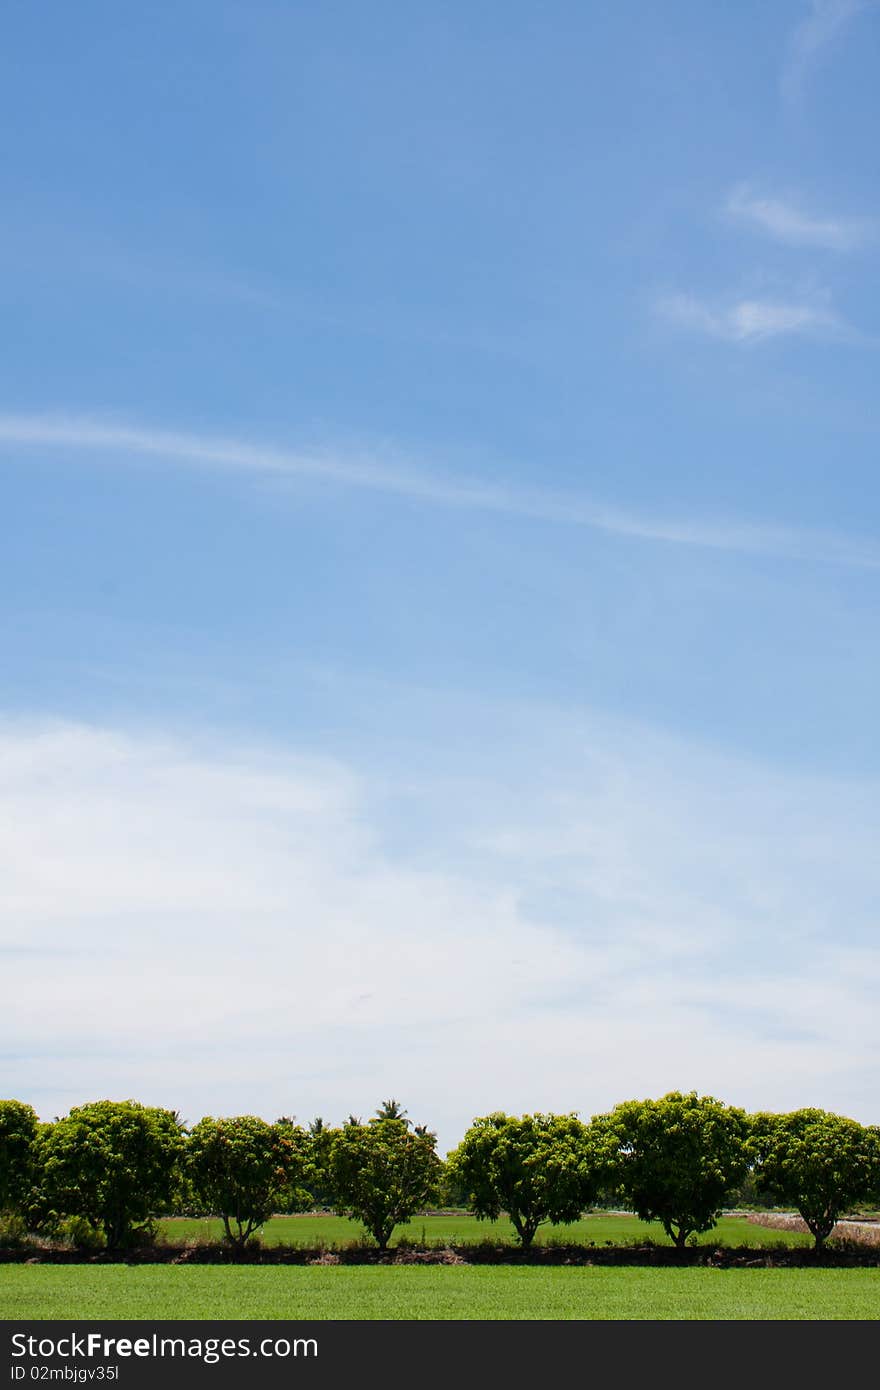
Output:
x,y
861,1232
848,1254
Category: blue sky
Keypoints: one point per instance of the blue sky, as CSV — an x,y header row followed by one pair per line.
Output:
x,y
439,557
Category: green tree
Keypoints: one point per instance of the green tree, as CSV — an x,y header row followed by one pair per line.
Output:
x,y
113,1163
678,1158
243,1169
536,1168
18,1133
821,1164
382,1173
319,1142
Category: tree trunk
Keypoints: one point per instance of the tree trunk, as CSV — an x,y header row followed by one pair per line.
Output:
x,y
114,1231
525,1230
820,1230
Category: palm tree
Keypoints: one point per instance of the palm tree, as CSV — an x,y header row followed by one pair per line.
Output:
x,y
390,1110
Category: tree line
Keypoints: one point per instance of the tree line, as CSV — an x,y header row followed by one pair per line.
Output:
x,y
108,1169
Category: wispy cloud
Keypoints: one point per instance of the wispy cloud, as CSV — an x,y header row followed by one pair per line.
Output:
x,y
784,220
752,320
749,320
824,22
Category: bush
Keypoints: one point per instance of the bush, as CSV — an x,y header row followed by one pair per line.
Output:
x,y
678,1159
79,1232
536,1168
111,1163
18,1133
820,1163
13,1231
382,1172
243,1169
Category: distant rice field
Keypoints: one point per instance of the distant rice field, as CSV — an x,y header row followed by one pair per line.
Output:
x,y
464,1229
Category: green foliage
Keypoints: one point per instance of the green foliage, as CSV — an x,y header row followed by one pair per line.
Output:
x,y
111,1163
747,1196
243,1169
678,1159
13,1231
820,1163
18,1132
99,1175
382,1172
316,1180
81,1234
452,1193
536,1168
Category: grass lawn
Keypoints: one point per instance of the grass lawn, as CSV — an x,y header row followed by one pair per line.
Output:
x,y
461,1229
433,1292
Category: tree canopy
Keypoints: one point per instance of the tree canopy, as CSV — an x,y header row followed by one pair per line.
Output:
x,y
677,1158
821,1164
114,1163
382,1172
243,1169
18,1132
536,1168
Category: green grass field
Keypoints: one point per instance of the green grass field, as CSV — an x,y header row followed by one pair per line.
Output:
x,y
433,1292
463,1229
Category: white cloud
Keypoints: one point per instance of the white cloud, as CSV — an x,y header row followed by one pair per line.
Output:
x,y
787,222
228,929
747,321
824,22
750,320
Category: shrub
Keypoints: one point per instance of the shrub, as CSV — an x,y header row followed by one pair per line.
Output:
x,y
820,1163
111,1163
13,1231
243,1169
536,1168
18,1132
677,1159
382,1172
